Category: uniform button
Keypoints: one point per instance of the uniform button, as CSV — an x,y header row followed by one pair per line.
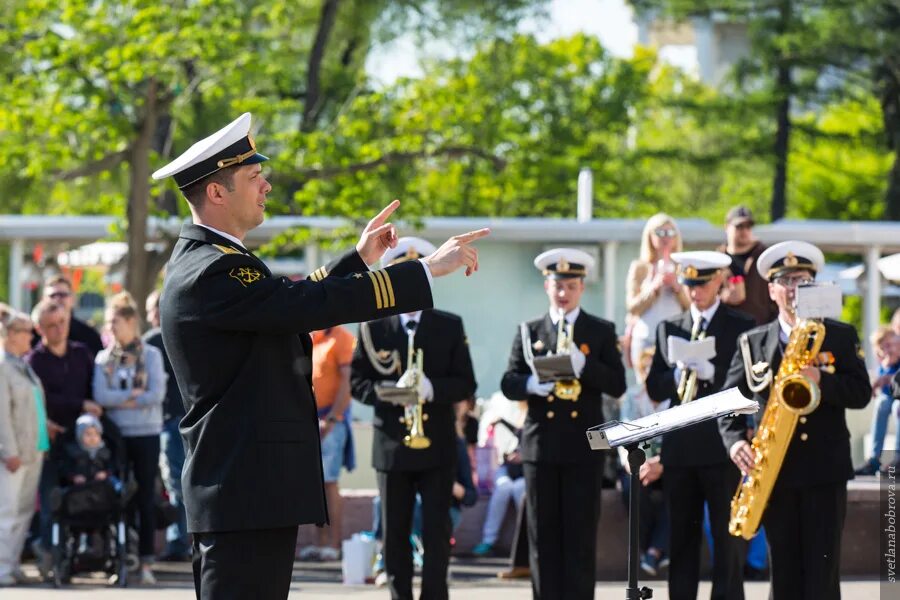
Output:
x,y
425,417
803,437
551,398
802,420
550,414
402,420
574,414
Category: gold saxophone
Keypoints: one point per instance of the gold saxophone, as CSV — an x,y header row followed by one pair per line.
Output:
x,y
793,395
414,416
566,389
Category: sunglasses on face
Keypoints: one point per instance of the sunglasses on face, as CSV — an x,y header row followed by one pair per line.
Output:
x,y
60,295
665,233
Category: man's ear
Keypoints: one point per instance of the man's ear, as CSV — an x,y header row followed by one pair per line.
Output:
x,y
214,193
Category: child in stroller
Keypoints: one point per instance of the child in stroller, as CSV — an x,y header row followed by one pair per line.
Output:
x,y
89,529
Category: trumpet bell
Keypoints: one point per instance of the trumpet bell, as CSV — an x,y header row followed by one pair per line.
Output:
x,y
417,442
569,389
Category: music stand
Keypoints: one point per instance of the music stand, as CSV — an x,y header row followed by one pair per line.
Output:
x,y
631,434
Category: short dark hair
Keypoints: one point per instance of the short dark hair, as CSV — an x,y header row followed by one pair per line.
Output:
x,y
195,193
57,280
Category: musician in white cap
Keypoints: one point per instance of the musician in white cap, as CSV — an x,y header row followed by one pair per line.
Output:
x,y
237,339
805,513
403,468
562,474
697,468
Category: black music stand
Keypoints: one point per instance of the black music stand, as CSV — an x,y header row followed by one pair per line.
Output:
x,y
632,434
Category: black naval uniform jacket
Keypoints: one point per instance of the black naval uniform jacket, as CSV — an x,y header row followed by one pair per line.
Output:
x,y
555,429
820,449
446,362
698,445
239,345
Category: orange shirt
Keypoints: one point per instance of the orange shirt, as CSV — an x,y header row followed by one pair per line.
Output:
x,y
332,349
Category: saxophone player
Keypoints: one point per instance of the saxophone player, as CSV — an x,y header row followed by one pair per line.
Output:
x,y
806,509
697,469
562,474
405,468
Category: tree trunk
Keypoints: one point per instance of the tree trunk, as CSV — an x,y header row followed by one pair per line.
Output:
x,y
892,196
313,102
783,92
139,279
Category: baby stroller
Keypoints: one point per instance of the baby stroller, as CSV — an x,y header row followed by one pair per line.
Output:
x,y
89,530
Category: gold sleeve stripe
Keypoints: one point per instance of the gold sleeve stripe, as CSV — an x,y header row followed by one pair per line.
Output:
x,y
319,274
379,275
378,302
323,273
390,288
314,276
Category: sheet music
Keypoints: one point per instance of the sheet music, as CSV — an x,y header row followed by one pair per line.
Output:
x,y
614,434
685,351
819,301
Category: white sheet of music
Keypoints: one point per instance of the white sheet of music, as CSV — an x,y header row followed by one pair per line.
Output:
x,y
686,351
612,435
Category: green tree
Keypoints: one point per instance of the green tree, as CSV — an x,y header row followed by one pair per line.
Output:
x,y
97,91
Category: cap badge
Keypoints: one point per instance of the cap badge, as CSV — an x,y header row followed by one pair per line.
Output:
x,y
562,266
690,272
790,260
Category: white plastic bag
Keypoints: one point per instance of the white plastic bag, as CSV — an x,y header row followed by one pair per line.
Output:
x,y
358,554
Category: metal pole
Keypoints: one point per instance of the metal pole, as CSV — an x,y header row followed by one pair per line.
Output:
x,y
872,300
610,281
636,458
585,195
16,265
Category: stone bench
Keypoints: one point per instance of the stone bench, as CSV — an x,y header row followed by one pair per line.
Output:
x,y
859,557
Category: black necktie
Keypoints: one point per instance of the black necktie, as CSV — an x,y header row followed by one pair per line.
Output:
x,y
699,329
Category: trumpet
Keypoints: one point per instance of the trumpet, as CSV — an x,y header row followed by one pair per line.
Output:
x,y
413,414
566,389
687,385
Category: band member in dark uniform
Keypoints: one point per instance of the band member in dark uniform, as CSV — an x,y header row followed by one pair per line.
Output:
x,y
562,474
697,469
238,341
806,510
447,377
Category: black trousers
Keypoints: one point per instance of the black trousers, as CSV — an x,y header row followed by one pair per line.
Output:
x,y
803,528
563,509
687,488
398,496
244,565
142,453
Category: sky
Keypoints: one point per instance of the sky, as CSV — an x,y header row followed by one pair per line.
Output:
x,y
610,20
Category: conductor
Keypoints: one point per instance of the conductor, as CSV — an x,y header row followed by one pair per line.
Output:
x,y
237,337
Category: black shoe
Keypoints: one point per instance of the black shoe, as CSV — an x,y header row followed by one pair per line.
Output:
x,y
754,574
870,468
174,558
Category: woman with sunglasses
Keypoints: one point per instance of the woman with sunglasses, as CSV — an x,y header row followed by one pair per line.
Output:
x,y
23,440
654,293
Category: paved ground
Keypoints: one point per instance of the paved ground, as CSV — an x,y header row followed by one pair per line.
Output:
x,y
471,580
